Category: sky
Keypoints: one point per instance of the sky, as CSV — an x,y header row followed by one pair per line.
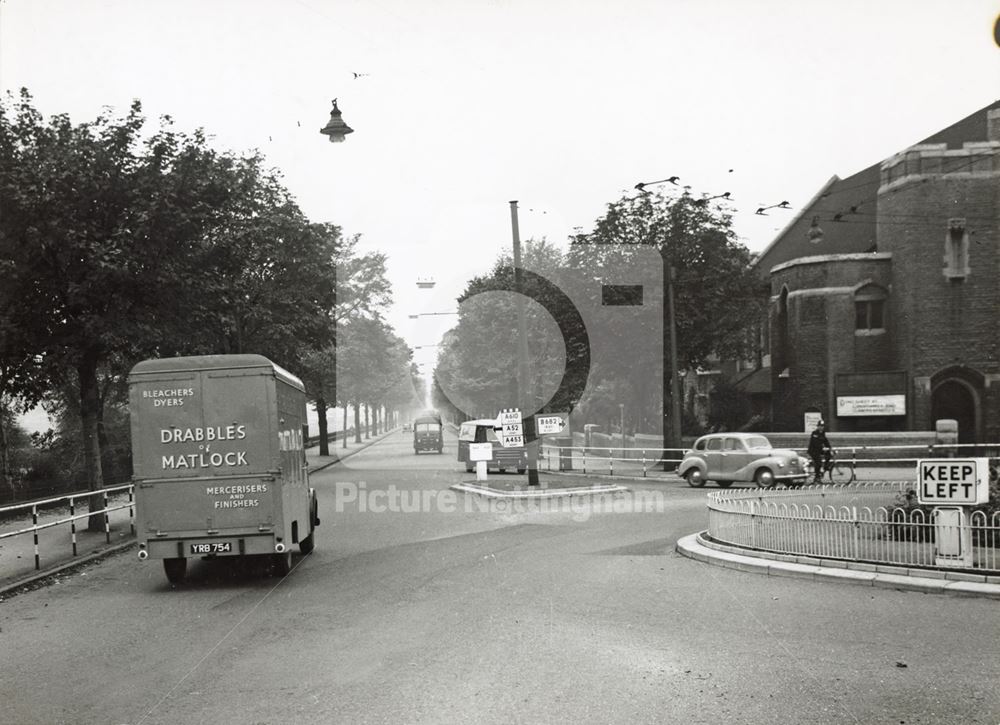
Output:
x,y
460,106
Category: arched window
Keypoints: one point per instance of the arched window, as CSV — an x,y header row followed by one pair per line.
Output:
x,y
870,309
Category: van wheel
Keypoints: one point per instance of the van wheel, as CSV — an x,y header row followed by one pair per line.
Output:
x,y
520,471
175,569
281,564
308,544
468,468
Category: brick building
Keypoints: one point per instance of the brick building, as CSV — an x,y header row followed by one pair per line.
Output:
x,y
885,292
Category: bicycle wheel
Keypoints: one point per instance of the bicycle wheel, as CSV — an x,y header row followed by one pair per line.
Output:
x,y
841,473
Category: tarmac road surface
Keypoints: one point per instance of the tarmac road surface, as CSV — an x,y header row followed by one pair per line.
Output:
x,y
422,607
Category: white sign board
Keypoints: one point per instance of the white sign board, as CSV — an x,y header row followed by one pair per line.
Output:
x,y
860,405
810,420
480,451
511,429
549,424
953,481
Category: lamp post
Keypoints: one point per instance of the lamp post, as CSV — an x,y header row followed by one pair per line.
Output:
x,y
670,375
524,398
621,425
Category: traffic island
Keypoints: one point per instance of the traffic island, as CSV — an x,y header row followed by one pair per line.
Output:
x,y
518,489
701,547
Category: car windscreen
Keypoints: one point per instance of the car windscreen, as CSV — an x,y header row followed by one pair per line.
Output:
x,y
428,427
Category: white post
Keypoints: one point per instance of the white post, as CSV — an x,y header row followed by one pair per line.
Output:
x,y
953,537
480,470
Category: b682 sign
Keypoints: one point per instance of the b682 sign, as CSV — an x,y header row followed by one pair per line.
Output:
x,y
953,481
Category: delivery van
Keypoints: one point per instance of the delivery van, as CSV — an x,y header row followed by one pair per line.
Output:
x,y
218,459
483,430
427,434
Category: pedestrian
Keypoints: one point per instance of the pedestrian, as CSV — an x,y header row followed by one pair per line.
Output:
x,y
819,451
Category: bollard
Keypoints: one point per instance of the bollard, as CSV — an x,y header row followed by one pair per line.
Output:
x,y
72,522
131,509
34,523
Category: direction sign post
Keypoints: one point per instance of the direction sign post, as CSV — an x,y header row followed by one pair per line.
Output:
x,y
480,453
550,423
511,428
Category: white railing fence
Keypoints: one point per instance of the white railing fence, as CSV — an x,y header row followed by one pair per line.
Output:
x,y
877,522
591,459
67,515
640,461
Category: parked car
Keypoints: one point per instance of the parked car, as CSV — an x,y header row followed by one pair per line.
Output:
x,y
740,457
482,431
407,427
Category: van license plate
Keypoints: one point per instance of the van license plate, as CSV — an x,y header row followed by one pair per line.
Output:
x,y
217,547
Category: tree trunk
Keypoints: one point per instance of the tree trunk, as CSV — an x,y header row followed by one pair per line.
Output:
x,y
89,415
357,422
343,433
324,444
376,418
368,423
6,475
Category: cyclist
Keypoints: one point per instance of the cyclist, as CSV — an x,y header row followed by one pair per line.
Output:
x,y
819,451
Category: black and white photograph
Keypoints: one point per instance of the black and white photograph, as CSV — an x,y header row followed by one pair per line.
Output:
x,y
432,362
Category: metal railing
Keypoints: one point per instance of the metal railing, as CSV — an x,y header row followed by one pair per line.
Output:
x,y
595,459
862,455
602,459
876,522
70,500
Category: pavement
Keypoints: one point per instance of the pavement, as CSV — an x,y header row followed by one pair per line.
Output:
x,y
54,550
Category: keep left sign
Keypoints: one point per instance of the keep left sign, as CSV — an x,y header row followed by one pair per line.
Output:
x,y
953,481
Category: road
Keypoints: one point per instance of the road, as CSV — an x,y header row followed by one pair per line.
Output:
x,y
420,605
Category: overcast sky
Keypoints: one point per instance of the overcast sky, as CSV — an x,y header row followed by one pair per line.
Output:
x,y
463,105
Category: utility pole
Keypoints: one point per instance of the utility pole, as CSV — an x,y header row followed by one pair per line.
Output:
x,y
675,395
524,398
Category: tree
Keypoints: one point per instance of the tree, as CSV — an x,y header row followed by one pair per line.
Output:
x,y
373,362
362,291
477,365
89,219
121,248
717,295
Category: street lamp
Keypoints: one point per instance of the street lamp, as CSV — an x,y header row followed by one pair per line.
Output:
x,y
335,128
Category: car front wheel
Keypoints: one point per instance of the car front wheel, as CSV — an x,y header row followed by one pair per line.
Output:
x,y
764,478
694,478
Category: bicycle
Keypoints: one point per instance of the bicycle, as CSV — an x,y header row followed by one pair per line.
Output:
x,y
839,472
